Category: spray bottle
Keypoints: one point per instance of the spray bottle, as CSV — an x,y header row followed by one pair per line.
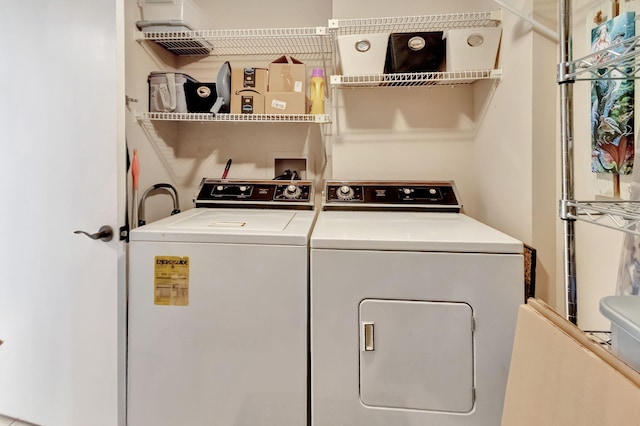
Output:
x,y
317,91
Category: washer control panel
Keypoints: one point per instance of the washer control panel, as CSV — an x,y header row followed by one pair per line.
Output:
x,y
392,195
266,193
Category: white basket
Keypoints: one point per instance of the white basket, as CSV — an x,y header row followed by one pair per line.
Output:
x,y
472,48
362,53
169,15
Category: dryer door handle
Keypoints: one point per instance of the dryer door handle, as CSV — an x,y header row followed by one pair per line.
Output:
x,y
367,336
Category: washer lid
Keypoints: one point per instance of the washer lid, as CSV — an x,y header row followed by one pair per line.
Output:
x,y
239,226
404,231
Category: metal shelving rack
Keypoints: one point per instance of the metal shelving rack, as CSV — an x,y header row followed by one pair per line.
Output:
x,y
620,215
338,27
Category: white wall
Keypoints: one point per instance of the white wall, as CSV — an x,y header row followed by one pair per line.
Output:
x,y
495,139
544,153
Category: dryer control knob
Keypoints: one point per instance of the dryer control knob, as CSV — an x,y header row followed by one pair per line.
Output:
x,y
345,192
292,191
406,191
242,188
219,188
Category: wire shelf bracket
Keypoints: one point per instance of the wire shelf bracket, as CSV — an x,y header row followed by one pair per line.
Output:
x,y
618,215
237,118
617,62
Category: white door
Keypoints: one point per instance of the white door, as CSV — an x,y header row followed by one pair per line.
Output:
x,y
62,168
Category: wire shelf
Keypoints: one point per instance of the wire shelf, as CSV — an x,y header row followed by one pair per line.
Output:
x,y
310,41
617,62
415,23
619,215
237,118
603,338
414,79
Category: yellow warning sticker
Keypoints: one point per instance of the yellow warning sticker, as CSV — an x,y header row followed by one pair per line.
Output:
x,y
171,281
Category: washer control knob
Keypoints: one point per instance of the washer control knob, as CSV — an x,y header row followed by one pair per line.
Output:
x,y
406,191
219,188
292,191
242,188
432,191
345,192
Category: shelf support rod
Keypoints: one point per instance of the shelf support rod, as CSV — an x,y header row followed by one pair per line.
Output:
x,y
546,31
566,136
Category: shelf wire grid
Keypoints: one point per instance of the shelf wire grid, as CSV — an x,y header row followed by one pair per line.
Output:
x,y
619,215
603,338
414,79
307,41
617,62
414,23
247,118
338,27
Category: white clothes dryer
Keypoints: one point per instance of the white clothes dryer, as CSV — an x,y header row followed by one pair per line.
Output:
x,y
413,308
218,309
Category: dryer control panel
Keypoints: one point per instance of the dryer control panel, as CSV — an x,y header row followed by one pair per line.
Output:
x,y
392,195
254,193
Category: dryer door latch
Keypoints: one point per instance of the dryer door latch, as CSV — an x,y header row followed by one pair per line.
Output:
x,y
367,334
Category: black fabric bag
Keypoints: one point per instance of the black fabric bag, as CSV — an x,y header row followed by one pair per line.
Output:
x,y
415,52
200,96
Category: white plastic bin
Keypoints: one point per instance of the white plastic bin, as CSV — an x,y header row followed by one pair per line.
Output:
x,y
172,15
362,53
472,48
624,313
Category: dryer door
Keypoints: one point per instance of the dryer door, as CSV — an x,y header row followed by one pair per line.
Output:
x,y
416,355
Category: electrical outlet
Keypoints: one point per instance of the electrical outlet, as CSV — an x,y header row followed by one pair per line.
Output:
x,y
298,165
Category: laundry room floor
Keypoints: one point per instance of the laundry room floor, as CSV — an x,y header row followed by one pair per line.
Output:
x,y
8,421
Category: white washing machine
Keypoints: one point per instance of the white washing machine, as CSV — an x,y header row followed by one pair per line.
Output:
x,y
218,309
413,308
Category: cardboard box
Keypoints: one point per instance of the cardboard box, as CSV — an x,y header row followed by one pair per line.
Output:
x,y
247,102
248,88
286,103
287,74
561,376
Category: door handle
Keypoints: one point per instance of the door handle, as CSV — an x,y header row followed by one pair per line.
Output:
x,y
105,233
367,336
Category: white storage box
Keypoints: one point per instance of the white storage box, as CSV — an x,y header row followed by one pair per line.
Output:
x,y
472,48
172,15
624,313
362,53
